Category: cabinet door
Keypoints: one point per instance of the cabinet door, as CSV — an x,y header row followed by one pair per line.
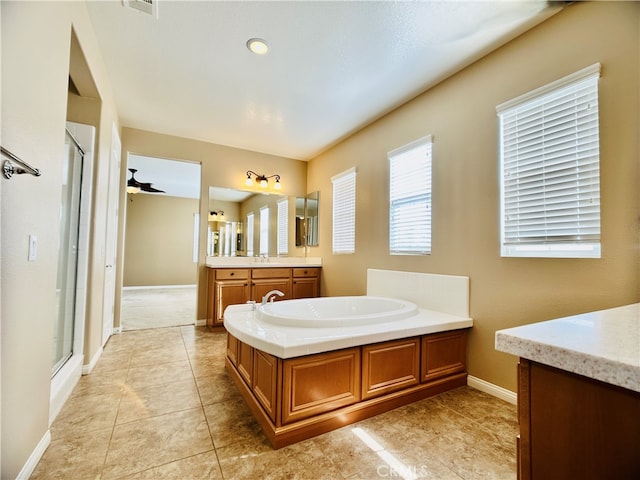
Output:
x,y
443,354
261,287
230,292
305,287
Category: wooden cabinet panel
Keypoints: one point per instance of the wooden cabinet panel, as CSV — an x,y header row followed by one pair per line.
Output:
x,y
232,348
245,362
443,354
320,383
271,273
310,272
260,288
230,292
572,426
390,366
232,273
265,381
305,287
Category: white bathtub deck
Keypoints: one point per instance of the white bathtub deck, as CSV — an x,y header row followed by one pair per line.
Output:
x,y
288,342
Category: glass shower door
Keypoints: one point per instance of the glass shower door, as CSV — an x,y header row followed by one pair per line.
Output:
x,y
67,254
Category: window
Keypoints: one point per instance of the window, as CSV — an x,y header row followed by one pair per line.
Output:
x,y
283,227
264,231
550,170
344,212
410,198
250,218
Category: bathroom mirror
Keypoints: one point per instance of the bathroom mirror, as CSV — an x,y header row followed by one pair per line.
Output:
x,y
230,234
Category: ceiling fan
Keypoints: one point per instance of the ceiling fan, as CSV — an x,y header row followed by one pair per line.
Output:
x,y
134,186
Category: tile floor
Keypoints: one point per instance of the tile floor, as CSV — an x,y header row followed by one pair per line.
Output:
x,y
159,405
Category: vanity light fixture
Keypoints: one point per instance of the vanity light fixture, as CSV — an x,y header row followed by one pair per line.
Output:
x,y
258,46
216,216
262,180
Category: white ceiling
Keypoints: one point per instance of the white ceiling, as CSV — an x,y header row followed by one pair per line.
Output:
x,y
333,67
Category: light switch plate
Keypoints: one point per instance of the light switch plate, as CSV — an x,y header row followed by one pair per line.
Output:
x,y
33,247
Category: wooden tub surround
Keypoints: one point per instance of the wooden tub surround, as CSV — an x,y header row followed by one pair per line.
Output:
x,y
300,397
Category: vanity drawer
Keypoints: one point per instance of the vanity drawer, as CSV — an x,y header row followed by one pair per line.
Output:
x,y
232,273
271,273
306,272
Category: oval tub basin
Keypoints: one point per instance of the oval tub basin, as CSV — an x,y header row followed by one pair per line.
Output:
x,y
336,311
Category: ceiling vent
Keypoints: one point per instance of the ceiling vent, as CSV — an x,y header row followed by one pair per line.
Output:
x,y
150,7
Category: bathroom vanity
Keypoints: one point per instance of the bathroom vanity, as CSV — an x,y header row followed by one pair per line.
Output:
x,y
238,280
578,395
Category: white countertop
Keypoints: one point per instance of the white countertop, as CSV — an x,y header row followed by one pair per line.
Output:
x,y
288,342
260,262
603,345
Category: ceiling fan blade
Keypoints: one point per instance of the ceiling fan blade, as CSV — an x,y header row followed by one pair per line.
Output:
x,y
146,187
143,186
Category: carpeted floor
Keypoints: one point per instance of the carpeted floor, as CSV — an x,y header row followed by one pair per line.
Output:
x,y
155,307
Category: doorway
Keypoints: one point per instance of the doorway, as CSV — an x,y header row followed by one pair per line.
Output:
x,y
160,271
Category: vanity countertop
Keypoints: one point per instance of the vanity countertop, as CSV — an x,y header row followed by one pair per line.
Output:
x,y
603,345
259,262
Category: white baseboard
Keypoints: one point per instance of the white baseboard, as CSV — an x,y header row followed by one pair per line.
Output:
x,y
62,385
35,457
201,322
151,287
87,369
491,389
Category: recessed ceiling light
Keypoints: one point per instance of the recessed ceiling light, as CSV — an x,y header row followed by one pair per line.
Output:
x,y
258,46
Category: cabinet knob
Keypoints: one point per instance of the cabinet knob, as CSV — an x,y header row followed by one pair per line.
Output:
x,y
305,272
233,273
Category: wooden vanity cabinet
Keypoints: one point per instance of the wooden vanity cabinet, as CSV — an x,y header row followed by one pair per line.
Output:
x,y
572,426
232,286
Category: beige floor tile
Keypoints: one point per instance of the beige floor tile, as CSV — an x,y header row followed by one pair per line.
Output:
x,y
155,355
156,400
156,441
198,467
217,388
204,366
86,413
231,423
101,383
78,457
148,375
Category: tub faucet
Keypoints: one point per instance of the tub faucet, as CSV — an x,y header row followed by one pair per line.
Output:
x,y
270,296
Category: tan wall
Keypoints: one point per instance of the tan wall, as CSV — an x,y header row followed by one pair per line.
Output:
x,y
159,241
222,166
460,113
36,44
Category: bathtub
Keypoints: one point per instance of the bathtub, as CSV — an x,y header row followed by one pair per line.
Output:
x,y
325,312
309,366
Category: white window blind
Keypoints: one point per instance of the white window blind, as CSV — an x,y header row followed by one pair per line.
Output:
x,y
283,227
250,218
410,198
264,231
550,169
344,212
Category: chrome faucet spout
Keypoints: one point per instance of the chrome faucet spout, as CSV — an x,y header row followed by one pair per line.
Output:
x,y
271,295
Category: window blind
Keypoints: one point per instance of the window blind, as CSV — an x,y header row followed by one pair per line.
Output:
x,y
264,231
550,165
344,212
283,227
250,218
410,198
